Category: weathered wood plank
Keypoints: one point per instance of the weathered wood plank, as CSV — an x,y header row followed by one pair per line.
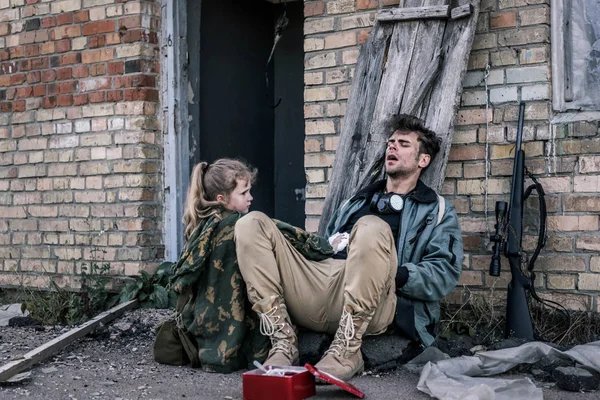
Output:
x,y
412,13
358,116
430,89
53,346
445,97
461,11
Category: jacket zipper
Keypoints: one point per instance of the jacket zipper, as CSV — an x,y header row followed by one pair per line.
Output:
x,y
450,248
414,239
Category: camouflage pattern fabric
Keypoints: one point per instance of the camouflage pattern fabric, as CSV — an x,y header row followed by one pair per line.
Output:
x,y
311,246
218,312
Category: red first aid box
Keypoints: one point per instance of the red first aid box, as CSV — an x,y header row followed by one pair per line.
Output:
x,y
296,384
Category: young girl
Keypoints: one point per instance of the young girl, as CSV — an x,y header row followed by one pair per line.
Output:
x,y
207,276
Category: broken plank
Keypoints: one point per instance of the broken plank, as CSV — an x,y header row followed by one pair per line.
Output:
x,y
409,13
462,11
46,350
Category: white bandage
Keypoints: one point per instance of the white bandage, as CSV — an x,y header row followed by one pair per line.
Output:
x,y
342,243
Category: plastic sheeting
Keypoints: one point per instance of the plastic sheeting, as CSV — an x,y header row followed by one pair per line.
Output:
x,y
465,378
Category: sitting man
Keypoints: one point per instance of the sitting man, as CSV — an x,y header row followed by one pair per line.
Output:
x,y
404,254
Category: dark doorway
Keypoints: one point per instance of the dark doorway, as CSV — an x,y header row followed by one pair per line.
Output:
x,y
234,115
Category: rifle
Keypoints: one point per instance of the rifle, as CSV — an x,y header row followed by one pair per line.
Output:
x,y
508,239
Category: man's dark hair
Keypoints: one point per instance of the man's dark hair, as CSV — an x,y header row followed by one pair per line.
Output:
x,y
429,142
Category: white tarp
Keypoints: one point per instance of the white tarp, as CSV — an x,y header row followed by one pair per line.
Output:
x,y
462,378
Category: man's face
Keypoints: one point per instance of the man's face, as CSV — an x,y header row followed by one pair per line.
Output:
x,y
402,156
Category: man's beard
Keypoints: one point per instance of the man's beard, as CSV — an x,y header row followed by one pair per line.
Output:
x,y
401,172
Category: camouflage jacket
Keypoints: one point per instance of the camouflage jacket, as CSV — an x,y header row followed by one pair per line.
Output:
x,y
217,311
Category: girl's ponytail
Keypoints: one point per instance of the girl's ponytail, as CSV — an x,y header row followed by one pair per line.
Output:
x,y
197,206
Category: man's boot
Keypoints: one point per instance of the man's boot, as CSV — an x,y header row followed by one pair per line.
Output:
x,y
275,323
343,359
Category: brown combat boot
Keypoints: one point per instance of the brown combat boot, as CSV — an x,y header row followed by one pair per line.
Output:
x,y
343,359
275,323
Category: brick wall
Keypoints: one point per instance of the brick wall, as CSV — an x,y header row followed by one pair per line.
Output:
x,y
80,149
513,38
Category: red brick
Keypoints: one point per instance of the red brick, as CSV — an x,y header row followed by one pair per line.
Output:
x,y
80,99
24,92
114,95
141,94
366,4
67,87
25,65
96,97
471,152
97,69
503,20
135,35
49,102
18,106
4,29
66,32
135,81
96,41
49,75
94,28
63,46
64,19
80,71
17,52
47,48
34,77
94,56
32,1
39,63
17,79
5,107
363,36
116,68
113,38
314,8
82,16
69,59
32,50
130,22
48,22
64,100
5,81
64,73
39,90
4,55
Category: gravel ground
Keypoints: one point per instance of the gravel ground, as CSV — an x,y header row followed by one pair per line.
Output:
x,y
115,362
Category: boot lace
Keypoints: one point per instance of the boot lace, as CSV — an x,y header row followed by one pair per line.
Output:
x,y
343,335
270,326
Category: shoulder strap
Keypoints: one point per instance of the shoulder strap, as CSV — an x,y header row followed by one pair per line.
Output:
x,y
441,209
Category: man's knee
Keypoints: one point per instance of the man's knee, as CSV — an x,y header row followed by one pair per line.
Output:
x,y
371,228
249,224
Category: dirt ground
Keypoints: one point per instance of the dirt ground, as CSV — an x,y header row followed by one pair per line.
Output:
x,y
115,362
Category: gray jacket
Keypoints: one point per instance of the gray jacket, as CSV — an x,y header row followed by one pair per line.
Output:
x,y
431,253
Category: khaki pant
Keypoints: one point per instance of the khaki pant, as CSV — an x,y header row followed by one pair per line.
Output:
x,y
316,291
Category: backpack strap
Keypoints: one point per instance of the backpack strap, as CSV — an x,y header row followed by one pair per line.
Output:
x,y
441,209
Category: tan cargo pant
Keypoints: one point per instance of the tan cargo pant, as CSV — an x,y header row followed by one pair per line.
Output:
x,y
316,291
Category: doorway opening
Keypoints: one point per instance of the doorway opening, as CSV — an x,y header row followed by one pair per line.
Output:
x,y
241,107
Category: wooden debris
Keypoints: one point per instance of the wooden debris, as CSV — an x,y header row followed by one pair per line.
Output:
x,y
410,13
46,350
462,11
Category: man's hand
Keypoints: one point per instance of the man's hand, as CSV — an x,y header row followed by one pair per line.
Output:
x,y
339,241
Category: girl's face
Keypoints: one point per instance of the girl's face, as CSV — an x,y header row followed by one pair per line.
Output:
x,y
240,199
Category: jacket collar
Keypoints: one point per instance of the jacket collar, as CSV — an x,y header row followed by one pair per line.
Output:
x,y
421,193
